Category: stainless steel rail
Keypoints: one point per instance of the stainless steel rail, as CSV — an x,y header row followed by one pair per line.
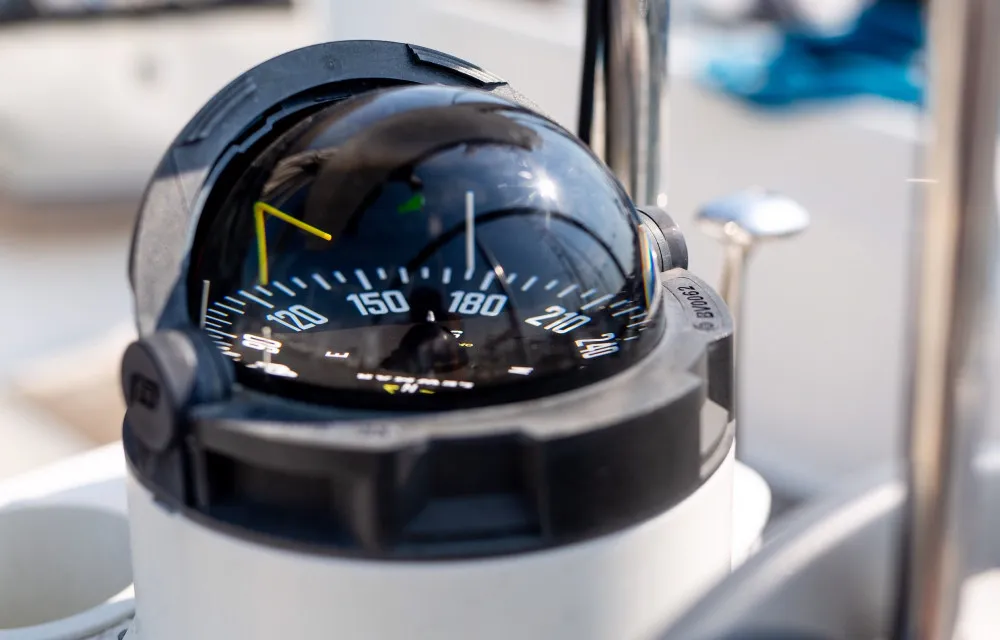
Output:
x,y
632,64
952,272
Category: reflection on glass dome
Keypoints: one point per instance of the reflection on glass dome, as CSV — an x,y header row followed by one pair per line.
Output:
x,y
423,246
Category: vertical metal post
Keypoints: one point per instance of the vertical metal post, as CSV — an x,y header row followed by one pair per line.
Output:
x,y
632,62
658,33
952,275
624,79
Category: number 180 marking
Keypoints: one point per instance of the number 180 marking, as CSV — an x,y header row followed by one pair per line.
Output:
x,y
473,303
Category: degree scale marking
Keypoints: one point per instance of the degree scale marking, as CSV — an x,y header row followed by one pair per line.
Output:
x,y
404,275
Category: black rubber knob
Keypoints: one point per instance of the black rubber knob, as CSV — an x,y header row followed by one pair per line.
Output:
x,y
669,239
164,374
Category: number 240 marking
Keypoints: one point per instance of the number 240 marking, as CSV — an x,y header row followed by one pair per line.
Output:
x,y
597,347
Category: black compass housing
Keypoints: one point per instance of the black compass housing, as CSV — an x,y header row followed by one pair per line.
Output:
x,y
387,309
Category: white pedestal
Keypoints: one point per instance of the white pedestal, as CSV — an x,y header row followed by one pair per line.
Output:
x,y
96,481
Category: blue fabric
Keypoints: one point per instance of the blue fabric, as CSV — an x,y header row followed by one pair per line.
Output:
x,y
876,57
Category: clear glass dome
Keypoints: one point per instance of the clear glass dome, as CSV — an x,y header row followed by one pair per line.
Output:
x,y
423,246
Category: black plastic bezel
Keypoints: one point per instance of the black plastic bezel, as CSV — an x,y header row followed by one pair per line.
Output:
x,y
566,467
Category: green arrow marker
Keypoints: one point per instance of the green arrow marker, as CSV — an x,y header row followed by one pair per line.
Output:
x,y
416,203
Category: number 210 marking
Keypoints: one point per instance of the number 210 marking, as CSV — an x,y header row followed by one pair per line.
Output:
x,y
564,323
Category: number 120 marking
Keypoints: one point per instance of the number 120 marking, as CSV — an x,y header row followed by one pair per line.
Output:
x,y
298,317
